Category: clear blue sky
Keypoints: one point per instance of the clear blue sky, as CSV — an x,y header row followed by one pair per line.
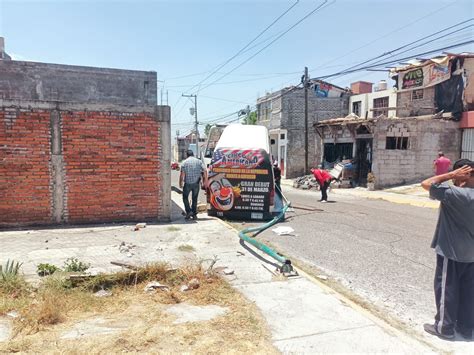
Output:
x,y
189,38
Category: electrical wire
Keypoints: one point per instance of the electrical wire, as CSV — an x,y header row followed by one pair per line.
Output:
x,y
386,35
392,52
245,47
398,60
318,8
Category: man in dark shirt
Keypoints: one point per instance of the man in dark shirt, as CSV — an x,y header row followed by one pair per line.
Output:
x,y
454,245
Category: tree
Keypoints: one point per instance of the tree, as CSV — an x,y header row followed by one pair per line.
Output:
x,y
251,118
207,129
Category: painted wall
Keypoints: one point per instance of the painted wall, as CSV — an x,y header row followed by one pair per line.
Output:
x,y
367,102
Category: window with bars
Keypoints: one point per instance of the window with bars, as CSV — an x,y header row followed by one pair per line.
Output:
x,y
381,106
417,94
398,143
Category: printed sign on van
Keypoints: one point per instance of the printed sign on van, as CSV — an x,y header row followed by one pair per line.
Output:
x,y
240,184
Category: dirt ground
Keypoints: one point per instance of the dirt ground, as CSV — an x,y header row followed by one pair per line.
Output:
x,y
135,321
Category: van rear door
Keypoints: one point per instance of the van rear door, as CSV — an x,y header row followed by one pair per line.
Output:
x,y
241,184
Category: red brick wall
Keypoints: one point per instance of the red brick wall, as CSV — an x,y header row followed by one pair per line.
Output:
x,y
24,167
112,166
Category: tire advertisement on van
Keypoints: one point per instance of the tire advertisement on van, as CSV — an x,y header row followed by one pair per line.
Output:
x,y
240,184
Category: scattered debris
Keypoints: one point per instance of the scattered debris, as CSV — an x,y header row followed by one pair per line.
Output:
x,y
154,285
139,226
239,253
228,272
184,288
125,265
322,277
126,249
103,293
201,207
283,230
224,270
186,248
194,284
13,314
306,182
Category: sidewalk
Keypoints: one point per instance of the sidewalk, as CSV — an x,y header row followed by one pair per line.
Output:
x,y
407,195
304,316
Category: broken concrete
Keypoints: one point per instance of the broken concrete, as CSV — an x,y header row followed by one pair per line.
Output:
x,y
189,313
5,330
92,327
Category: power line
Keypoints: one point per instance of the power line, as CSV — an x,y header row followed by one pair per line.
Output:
x,y
246,46
396,60
391,52
387,34
321,6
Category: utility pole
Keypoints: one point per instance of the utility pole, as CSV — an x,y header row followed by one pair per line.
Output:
x,y
196,128
305,84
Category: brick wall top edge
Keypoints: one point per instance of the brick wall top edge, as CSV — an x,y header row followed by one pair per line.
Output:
x,y
82,69
71,106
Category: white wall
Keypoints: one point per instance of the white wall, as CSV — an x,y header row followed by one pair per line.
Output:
x,y
367,102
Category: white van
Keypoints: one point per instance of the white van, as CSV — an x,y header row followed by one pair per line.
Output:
x,y
241,182
213,137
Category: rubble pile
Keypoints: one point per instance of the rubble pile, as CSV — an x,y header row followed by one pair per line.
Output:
x,y
306,182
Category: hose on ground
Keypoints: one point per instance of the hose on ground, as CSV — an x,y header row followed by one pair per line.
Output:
x,y
244,235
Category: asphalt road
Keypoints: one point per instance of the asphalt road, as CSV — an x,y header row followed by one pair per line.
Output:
x,y
378,250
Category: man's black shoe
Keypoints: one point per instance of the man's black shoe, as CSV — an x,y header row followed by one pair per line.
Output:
x,y
430,328
188,217
465,333
195,217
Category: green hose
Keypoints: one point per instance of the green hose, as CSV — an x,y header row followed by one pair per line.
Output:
x,y
286,267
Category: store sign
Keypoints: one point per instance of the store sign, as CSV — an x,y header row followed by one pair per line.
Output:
x,y
240,184
425,76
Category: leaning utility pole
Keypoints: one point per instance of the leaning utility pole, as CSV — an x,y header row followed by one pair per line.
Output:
x,y
196,128
305,84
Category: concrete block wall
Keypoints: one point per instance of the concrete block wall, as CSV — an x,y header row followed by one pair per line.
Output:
x,y
293,120
426,138
69,83
76,163
406,107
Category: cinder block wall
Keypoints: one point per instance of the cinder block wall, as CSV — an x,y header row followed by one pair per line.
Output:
x,y
407,107
426,138
293,120
76,163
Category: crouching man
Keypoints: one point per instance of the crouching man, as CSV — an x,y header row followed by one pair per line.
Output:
x,y
454,245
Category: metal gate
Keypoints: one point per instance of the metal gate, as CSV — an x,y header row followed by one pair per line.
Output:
x,y
467,150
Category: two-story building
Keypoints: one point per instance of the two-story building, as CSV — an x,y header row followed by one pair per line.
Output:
x,y
283,113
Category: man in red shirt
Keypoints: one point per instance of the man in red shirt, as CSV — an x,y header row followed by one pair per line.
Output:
x,y
324,179
442,164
